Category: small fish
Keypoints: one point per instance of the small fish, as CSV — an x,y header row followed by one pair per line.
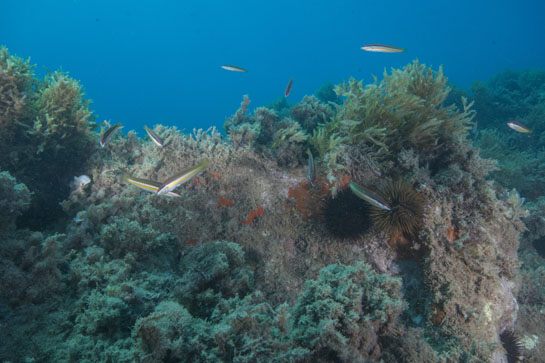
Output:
x,y
368,196
149,185
180,178
517,126
107,134
78,220
233,68
288,88
311,168
382,48
153,136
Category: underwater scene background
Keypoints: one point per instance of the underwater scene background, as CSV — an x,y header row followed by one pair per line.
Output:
x,y
272,182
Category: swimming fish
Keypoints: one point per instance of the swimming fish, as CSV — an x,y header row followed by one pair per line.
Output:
x,y
149,185
234,68
311,168
107,134
382,48
180,178
153,136
517,126
288,88
368,196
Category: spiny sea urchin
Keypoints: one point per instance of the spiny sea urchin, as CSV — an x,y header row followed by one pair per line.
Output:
x,y
512,346
345,215
406,208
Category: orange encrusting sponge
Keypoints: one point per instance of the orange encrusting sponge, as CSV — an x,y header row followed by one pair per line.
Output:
x,y
253,215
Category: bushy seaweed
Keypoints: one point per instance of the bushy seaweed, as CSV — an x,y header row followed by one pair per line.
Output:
x,y
213,272
341,314
404,110
46,133
310,113
14,200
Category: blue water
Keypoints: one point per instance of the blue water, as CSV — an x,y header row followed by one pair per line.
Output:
x,y
145,62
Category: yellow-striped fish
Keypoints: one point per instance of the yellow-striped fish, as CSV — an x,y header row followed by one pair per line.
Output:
x,y
368,196
149,185
107,134
382,48
233,68
153,136
180,178
517,126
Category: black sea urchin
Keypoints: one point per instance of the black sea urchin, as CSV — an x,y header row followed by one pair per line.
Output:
x,y
512,346
345,215
406,208
539,245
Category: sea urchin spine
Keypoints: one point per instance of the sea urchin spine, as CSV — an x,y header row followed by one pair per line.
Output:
x,y
406,208
512,346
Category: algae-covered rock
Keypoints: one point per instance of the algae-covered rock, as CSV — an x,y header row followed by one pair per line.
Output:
x,y
289,144
310,113
342,313
16,78
241,330
14,200
213,272
46,134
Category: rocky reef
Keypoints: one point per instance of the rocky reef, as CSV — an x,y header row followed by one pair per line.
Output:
x,y
520,96
242,266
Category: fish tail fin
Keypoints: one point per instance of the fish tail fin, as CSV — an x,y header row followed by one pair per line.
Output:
x,y
205,163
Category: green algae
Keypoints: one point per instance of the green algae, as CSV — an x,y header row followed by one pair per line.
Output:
x,y
47,133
